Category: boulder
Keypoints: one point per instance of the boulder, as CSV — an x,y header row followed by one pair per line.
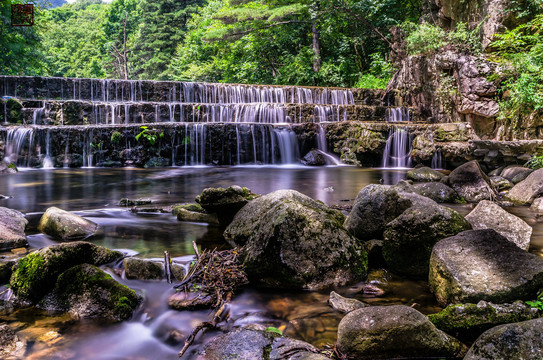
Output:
x,y
85,291
467,321
436,191
408,239
483,265
469,181
66,226
6,268
289,240
11,345
526,191
37,273
194,216
500,184
398,331
190,207
537,205
314,158
512,171
225,202
374,207
12,229
343,304
423,174
192,300
142,269
518,341
488,215
256,344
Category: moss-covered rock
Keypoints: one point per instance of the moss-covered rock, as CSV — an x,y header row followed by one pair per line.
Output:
x,y
134,202
85,291
343,304
500,184
225,202
292,241
194,207
194,216
12,229
467,321
142,269
36,273
64,225
424,174
398,331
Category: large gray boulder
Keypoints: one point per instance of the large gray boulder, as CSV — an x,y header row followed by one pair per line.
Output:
x,y
488,215
483,265
514,171
37,273
66,226
374,207
408,239
436,191
424,174
85,291
398,331
289,240
12,229
471,183
527,190
224,202
518,341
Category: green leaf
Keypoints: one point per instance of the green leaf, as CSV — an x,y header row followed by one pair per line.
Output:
x,y
274,330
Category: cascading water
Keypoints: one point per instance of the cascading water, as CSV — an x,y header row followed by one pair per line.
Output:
x,y
288,145
47,161
16,140
437,161
397,153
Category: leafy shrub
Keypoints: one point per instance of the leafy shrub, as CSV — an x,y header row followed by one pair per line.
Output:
x,y
426,38
116,137
536,162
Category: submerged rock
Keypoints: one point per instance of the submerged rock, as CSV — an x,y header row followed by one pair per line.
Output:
x,y
343,304
64,225
314,158
136,202
194,216
142,269
37,273
468,321
398,331
518,341
225,202
424,174
483,265
488,215
11,345
526,191
469,181
12,229
289,240
194,207
408,239
85,291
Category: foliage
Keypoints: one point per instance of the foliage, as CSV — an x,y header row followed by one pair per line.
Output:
x,y
116,137
535,162
380,73
274,330
427,38
150,134
538,303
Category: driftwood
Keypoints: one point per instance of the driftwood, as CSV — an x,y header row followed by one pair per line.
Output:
x,y
219,274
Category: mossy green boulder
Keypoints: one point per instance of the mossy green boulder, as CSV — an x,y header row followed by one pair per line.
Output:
x,y
289,240
85,291
225,202
66,226
37,273
194,207
423,174
142,269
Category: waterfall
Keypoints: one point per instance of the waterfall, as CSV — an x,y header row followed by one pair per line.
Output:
x,y
437,161
397,114
397,152
288,145
47,161
37,115
15,145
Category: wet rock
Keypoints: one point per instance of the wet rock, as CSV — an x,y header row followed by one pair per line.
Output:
x,y
467,321
157,162
343,304
191,301
12,229
285,348
85,291
519,172
142,269
537,205
483,265
526,191
36,273
225,202
408,239
471,183
424,174
6,268
136,202
66,226
488,215
499,183
7,168
289,240
190,207
436,191
11,345
374,249
314,158
398,331
374,207
518,341
193,216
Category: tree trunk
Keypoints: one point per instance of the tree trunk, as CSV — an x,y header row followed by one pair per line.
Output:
x,y
316,47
